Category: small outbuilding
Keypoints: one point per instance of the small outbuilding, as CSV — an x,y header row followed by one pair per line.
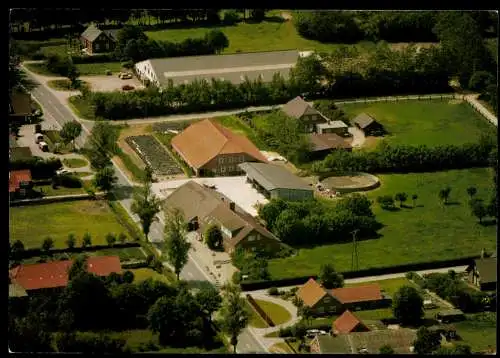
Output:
x,y
323,144
275,181
483,273
454,315
368,124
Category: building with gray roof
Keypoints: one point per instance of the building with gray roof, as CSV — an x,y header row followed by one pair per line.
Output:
x,y
277,182
233,67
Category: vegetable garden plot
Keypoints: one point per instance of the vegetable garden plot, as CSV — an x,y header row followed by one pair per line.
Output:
x,y
153,154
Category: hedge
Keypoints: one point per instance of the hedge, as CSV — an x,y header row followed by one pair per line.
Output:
x,y
375,271
27,253
135,264
40,168
260,311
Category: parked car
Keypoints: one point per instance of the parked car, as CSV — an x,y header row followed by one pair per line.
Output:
x,y
38,138
43,146
125,75
63,172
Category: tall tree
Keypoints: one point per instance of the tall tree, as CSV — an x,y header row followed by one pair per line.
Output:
x,y
427,341
478,209
86,240
71,241
414,198
407,305
70,131
401,197
104,179
235,315
329,278
78,267
102,144
47,244
217,40
177,247
16,249
209,300
213,237
471,191
146,205
444,194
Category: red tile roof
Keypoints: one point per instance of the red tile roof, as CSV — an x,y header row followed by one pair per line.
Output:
x,y
55,274
346,323
204,140
369,292
311,292
16,177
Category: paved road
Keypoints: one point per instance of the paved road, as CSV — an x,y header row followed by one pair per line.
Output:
x,y
57,114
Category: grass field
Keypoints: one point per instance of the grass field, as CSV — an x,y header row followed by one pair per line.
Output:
x,y
81,107
255,320
435,122
100,68
277,313
127,253
32,224
64,85
48,190
75,163
425,233
142,274
480,335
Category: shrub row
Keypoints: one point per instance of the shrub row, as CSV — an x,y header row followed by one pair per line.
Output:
x,y
375,271
27,253
404,158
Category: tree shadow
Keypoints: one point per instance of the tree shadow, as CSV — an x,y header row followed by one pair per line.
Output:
x,y
391,208
405,206
452,203
488,222
123,192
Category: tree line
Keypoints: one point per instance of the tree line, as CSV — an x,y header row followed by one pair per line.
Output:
x,y
388,158
314,223
392,26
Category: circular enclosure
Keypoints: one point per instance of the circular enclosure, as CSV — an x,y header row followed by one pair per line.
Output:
x,y
350,182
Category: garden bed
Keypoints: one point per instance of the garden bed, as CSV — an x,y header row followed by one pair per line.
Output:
x,y
153,154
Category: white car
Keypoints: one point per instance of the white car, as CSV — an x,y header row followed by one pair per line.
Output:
x,y
63,172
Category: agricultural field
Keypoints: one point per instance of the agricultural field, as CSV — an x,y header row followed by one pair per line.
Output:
x,y
409,232
152,153
434,122
32,224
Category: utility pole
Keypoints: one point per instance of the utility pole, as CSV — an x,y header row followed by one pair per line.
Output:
x,y
354,254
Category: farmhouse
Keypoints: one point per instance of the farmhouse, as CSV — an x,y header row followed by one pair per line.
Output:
x,y
367,124
276,182
400,340
211,149
95,40
302,111
483,273
20,184
323,301
348,323
20,106
52,275
233,68
323,144
203,206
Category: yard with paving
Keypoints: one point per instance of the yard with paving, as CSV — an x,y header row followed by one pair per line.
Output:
x,y
432,123
409,232
32,224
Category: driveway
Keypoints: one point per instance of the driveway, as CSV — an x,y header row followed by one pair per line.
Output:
x,y
110,83
358,137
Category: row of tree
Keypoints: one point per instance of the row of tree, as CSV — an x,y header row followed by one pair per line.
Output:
x,y
392,26
405,158
312,223
39,19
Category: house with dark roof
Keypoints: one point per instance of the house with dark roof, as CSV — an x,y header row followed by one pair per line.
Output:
x,y
228,67
20,184
400,340
483,273
302,111
348,322
368,125
20,106
323,301
276,182
337,127
54,275
95,40
211,149
202,206
325,143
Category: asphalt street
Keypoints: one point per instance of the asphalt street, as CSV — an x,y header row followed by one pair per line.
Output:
x,y
58,113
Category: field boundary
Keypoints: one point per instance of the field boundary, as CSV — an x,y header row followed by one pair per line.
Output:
x,y
56,198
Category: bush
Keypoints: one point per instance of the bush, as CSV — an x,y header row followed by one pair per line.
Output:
x,y
285,332
68,181
273,291
231,17
127,87
128,64
40,168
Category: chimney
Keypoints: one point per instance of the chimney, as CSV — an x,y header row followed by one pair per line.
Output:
x,y
232,206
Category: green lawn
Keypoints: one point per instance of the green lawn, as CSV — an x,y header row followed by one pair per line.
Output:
x,y
255,320
48,190
83,174
277,313
40,69
64,85
425,233
75,163
127,253
390,286
81,107
142,274
100,68
435,122
478,334
32,224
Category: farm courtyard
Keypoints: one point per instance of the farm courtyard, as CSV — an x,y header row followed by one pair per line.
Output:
x,y
32,224
408,233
